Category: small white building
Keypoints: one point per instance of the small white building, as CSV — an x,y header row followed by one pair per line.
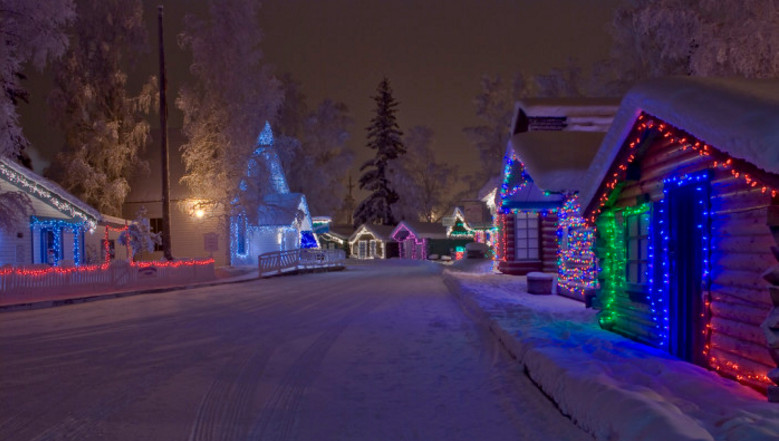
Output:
x,y
282,221
54,231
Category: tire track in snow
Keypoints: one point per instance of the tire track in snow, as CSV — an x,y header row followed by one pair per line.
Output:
x,y
49,424
225,407
278,418
224,412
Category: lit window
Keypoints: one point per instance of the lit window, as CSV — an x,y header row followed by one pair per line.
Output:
x,y
526,236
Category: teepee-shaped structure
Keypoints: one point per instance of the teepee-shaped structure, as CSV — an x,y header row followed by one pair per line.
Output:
x,y
281,221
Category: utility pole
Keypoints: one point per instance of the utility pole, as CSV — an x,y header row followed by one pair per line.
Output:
x,y
349,204
164,147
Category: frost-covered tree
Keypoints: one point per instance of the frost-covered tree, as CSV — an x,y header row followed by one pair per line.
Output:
x,y
494,107
691,37
325,133
105,125
30,32
564,81
312,147
226,105
384,136
141,238
424,185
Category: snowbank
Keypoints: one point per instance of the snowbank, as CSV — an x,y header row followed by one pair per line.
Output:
x,y
612,387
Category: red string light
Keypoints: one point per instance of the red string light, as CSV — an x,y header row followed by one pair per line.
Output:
x,y
681,138
101,267
677,136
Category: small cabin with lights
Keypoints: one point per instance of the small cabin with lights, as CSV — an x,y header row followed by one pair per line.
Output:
x,y
418,240
552,144
53,229
372,242
336,237
471,221
683,193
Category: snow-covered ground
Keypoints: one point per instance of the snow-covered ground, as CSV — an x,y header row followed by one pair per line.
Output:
x,y
380,351
610,386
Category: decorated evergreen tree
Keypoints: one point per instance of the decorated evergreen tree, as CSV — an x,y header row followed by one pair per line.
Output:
x,y
384,136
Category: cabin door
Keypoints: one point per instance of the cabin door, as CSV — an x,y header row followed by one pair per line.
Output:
x,y
687,246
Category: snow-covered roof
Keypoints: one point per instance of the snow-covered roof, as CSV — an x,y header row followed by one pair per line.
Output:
x,y
427,230
489,186
557,160
484,222
532,197
736,116
581,114
48,191
341,231
283,209
381,232
529,195
114,221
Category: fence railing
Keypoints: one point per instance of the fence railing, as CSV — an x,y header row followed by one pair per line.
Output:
x,y
309,259
43,281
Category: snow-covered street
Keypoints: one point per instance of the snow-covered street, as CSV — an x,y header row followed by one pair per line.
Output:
x,y
381,351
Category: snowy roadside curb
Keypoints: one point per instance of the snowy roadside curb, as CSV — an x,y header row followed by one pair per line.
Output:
x,y
611,387
54,302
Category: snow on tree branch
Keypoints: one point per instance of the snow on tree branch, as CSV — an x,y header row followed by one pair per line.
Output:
x,y
30,32
226,105
105,127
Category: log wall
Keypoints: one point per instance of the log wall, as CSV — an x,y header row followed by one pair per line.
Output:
x,y
740,253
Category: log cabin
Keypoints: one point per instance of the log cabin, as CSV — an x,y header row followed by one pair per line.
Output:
x,y
552,144
681,192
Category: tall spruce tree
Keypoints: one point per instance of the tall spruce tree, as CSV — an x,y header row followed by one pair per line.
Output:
x,y
384,136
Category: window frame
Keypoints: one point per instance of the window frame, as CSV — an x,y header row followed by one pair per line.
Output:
x,y
531,217
155,226
640,239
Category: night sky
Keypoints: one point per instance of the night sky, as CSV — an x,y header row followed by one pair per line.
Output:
x,y
433,51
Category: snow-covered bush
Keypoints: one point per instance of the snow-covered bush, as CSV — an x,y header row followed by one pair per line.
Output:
x,y
139,234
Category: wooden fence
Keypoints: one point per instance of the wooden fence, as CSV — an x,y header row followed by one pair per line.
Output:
x,y
309,259
45,282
